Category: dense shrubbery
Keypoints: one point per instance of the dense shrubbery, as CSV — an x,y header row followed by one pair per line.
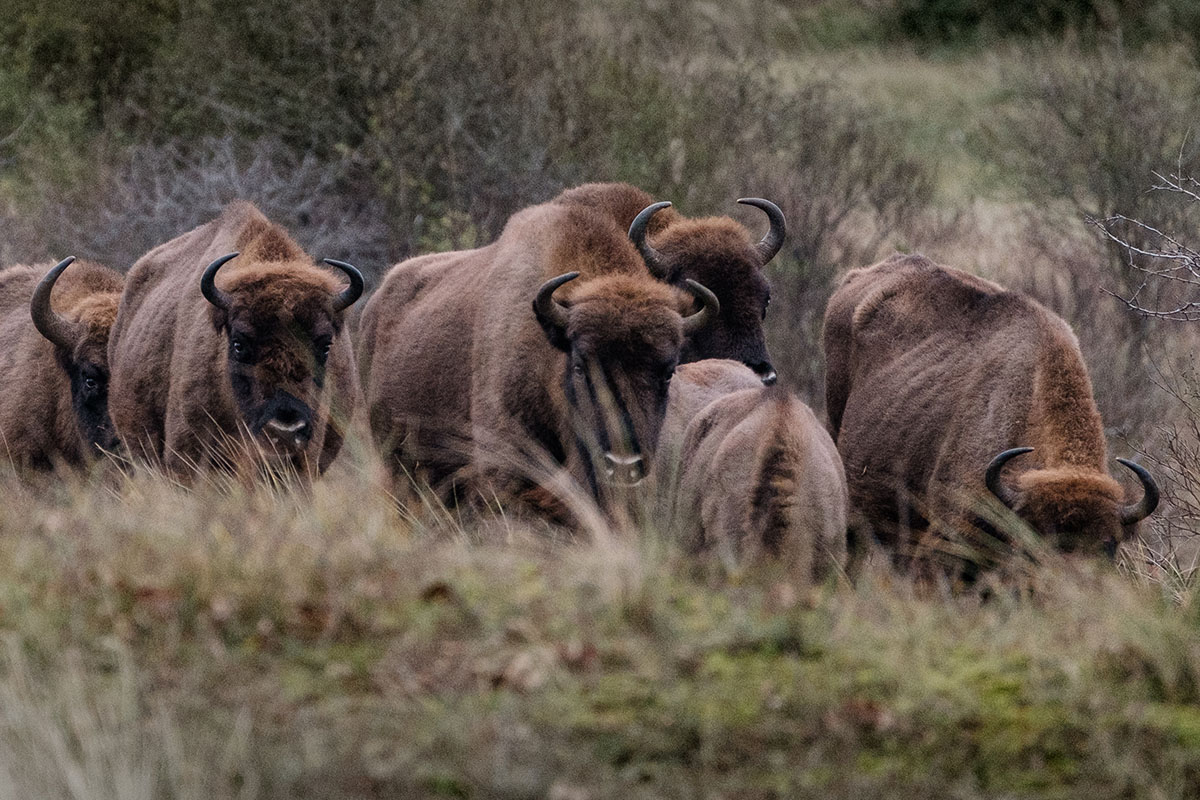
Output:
x,y
972,20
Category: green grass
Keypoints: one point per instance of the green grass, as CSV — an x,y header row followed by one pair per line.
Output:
x,y
219,643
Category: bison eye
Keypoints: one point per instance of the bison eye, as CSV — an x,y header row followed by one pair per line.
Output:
x,y
240,349
766,304
91,384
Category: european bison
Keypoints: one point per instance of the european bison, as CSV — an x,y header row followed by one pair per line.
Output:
x,y
230,341
54,365
936,380
554,344
750,472
717,252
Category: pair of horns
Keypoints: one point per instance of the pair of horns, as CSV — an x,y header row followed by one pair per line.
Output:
x,y
222,300
60,331
767,248
1130,514
556,313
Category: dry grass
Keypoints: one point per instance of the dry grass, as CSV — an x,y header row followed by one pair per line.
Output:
x,y
223,642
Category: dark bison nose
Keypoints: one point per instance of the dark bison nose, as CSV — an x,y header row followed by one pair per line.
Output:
x,y
765,371
624,470
290,423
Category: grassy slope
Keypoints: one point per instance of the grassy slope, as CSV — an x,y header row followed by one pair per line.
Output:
x,y
162,643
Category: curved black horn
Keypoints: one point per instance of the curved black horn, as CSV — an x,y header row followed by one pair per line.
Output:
x,y
992,477
347,296
637,232
708,312
547,307
209,289
773,241
61,332
1139,511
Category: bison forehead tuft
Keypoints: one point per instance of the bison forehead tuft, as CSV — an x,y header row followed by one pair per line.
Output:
x,y
98,312
709,249
1063,492
279,290
619,313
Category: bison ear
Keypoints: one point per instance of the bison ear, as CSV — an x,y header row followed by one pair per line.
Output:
x,y
218,316
555,333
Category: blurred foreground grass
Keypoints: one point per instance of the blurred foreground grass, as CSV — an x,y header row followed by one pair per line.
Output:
x,y
218,643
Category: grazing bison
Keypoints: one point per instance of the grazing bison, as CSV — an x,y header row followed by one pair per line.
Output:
x,y
750,472
936,380
716,252
54,365
230,340
554,343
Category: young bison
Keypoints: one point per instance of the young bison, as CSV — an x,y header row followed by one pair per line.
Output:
x,y
749,472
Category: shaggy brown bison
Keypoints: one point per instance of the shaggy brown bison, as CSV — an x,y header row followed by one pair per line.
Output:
x,y
553,345
936,380
54,365
750,472
230,340
717,252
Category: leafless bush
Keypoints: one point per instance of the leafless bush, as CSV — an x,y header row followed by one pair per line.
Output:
x,y
1166,269
156,192
1164,272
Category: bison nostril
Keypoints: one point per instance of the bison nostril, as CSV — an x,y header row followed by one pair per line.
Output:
x,y
624,470
765,372
290,423
287,417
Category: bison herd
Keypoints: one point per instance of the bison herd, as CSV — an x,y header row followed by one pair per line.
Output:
x,y
605,347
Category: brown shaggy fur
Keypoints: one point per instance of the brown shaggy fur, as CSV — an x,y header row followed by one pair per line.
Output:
x,y
931,373
751,472
174,384
716,251
42,422
457,369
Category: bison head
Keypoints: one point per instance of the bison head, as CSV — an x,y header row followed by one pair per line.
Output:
x,y
623,337
718,254
1076,509
279,322
81,345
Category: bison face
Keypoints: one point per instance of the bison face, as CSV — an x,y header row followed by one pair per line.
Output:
x,y
279,323
718,254
80,339
276,367
737,333
622,337
87,371
1077,510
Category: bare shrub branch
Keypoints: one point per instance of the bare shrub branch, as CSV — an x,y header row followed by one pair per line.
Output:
x,y
1166,267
